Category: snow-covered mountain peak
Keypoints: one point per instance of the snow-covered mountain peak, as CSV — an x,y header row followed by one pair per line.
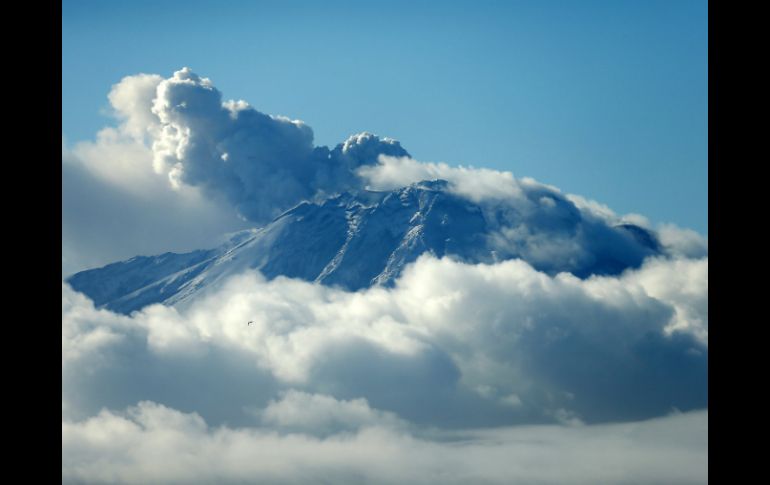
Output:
x,y
362,238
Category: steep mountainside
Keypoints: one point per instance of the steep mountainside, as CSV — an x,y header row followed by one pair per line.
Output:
x,y
355,240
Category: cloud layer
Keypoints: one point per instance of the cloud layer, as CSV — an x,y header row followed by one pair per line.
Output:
x,y
341,385
153,443
458,373
450,345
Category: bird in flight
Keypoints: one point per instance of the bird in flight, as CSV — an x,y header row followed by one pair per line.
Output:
x,y
250,322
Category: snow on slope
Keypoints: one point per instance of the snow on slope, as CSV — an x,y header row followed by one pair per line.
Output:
x,y
358,239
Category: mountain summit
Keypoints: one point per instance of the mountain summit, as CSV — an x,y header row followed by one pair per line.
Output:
x,y
358,239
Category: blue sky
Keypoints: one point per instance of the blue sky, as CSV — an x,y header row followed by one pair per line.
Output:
x,y
282,352
608,100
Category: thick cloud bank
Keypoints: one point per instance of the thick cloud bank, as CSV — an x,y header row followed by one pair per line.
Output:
x,y
400,374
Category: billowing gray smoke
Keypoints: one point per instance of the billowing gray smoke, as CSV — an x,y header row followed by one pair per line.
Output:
x,y
261,164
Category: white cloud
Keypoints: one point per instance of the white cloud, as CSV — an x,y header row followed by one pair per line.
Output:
x,y
597,209
383,385
151,443
113,199
683,283
528,219
132,99
474,183
116,159
449,334
318,413
86,330
637,220
114,206
682,242
182,162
